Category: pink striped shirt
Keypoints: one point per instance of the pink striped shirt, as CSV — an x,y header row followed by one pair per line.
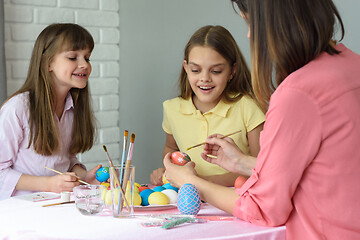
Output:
x,y
308,171
16,158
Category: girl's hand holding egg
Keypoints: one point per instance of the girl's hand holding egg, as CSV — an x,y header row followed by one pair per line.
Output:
x,y
178,175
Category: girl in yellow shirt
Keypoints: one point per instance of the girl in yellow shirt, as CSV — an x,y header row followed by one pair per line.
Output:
x,y
215,97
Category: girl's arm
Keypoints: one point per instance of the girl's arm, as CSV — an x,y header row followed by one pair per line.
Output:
x,y
219,196
87,176
57,183
254,140
170,146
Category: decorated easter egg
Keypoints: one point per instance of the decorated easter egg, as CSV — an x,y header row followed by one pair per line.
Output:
x,y
180,158
102,175
137,198
143,188
164,180
240,180
158,188
158,198
169,186
188,201
145,196
106,184
171,194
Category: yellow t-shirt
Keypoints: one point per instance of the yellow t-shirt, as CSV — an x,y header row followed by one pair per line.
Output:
x,y
189,126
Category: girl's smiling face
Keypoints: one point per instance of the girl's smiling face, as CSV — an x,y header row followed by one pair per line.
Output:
x,y
208,73
70,69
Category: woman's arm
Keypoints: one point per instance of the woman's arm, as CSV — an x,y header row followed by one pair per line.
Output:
x,y
219,196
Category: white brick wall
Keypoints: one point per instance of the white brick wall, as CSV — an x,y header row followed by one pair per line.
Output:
x,y
25,19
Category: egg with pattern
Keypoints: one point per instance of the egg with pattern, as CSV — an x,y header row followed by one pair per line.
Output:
x,y
188,201
179,158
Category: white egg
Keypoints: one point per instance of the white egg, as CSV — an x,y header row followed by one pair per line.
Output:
x,y
171,194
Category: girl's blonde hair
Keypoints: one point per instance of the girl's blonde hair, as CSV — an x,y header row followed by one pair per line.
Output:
x,y
221,40
44,134
284,36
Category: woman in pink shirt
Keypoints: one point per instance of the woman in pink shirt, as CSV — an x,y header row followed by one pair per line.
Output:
x,y
307,171
49,120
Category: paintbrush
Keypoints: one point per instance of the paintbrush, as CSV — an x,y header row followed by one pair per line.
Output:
x,y
114,174
128,163
60,203
63,173
126,134
227,135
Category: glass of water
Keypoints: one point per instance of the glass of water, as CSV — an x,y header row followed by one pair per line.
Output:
x,y
88,199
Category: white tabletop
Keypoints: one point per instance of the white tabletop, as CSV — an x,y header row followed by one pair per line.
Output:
x,y
22,219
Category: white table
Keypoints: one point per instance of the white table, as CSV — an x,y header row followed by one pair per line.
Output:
x,y
20,219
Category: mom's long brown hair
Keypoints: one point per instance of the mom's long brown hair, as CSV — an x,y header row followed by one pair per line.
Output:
x,y
284,36
44,134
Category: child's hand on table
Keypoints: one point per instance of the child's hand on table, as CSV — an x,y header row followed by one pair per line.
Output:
x,y
156,176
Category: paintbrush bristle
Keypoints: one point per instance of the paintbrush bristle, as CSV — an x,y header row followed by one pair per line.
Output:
x,y
126,133
132,138
105,148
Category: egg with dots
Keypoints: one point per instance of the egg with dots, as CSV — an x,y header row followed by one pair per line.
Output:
x,y
179,158
188,201
240,180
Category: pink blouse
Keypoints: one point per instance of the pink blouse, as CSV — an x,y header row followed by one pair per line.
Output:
x,y
15,156
308,171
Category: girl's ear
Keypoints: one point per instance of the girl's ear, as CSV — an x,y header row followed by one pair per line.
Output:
x,y
185,66
233,71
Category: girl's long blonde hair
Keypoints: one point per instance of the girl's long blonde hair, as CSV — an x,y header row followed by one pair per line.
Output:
x,y
44,134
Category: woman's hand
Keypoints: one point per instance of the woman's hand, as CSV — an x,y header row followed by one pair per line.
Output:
x,y
178,175
227,155
156,176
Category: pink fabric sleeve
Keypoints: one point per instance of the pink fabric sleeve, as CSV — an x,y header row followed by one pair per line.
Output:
x,y
289,141
74,161
11,135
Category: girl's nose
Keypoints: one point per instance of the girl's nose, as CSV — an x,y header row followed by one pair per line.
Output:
x,y
83,63
205,77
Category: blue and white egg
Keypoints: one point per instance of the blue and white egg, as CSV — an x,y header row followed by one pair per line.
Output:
x,y
188,201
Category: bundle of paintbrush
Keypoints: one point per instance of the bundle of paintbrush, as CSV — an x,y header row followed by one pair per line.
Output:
x,y
123,176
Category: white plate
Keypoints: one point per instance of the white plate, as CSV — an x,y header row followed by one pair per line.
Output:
x,y
155,207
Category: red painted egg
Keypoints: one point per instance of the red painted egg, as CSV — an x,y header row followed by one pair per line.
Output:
x,y
143,188
239,181
180,158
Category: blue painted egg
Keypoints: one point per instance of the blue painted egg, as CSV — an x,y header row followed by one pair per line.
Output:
x,y
169,186
145,196
158,188
102,175
188,201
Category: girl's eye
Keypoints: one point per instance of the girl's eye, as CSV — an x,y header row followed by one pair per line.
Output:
x,y
217,72
87,59
72,58
195,70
